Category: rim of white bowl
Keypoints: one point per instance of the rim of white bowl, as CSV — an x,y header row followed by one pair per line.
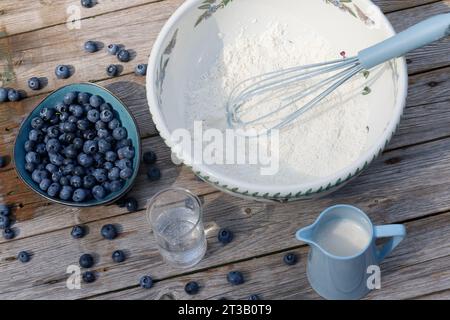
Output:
x,y
250,188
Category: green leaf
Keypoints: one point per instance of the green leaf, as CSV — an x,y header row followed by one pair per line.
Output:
x,y
366,73
366,91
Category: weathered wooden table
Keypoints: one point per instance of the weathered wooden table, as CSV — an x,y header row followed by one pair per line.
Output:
x,y
409,184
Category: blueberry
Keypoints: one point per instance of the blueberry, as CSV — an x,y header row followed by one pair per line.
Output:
x,y
30,167
109,231
69,126
34,83
114,123
103,133
3,95
47,113
123,55
70,151
90,46
63,117
106,115
35,135
126,173
105,106
154,174
53,132
115,185
41,149
29,145
78,112
114,174
93,115
32,157
191,288
56,159
39,175
131,204
119,133
5,210
13,95
23,256
86,261
90,147
112,70
54,119
56,176
290,259
235,277
8,233
146,282
78,232
98,192
123,143
77,182
141,69
54,189
66,193
45,184
83,97
110,156
254,297
88,276
225,236
96,101
85,160
78,143
89,182
126,153
61,107
89,134
5,222
100,175
64,181
50,167
62,72
104,146
113,49
118,256
88,3
123,164
53,145
150,157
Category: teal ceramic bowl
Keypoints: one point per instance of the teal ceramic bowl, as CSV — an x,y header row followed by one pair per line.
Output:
x,y
121,112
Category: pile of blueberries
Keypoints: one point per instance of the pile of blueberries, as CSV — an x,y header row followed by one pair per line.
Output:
x,y
78,150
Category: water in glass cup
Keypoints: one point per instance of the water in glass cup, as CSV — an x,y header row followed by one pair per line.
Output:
x,y
176,219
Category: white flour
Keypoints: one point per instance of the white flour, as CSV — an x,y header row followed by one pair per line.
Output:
x,y
323,140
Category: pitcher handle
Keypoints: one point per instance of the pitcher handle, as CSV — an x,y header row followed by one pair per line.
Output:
x,y
396,232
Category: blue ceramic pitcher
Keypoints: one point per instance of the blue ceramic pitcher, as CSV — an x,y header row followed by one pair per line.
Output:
x,y
343,251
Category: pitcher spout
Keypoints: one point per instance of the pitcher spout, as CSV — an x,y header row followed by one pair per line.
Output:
x,y
305,234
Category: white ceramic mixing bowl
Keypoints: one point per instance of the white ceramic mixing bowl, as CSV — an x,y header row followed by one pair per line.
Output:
x,y
194,34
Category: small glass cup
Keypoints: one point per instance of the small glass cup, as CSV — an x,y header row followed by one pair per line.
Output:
x,y
175,215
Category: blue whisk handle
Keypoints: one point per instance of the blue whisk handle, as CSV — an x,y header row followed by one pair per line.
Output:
x,y
417,36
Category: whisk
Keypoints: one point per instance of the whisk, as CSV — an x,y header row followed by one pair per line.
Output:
x,y
309,85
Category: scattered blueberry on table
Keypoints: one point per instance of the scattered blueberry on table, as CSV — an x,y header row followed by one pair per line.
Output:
x,y
23,256
34,83
14,95
118,256
254,297
78,150
2,161
3,95
146,282
90,46
5,210
5,222
290,259
86,261
225,236
141,69
62,72
235,277
191,288
123,55
149,157
113,49
154,174
131,204
112,70
88,277
8,233
109,231
78,232
87,3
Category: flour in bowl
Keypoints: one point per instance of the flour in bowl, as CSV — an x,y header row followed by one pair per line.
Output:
x,y
324,140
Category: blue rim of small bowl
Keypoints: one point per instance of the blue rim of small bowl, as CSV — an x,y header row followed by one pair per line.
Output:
x,y
107,200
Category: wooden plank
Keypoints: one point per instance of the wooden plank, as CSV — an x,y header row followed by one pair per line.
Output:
x,y
46,13
420,265
385,192
432,56
443,295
